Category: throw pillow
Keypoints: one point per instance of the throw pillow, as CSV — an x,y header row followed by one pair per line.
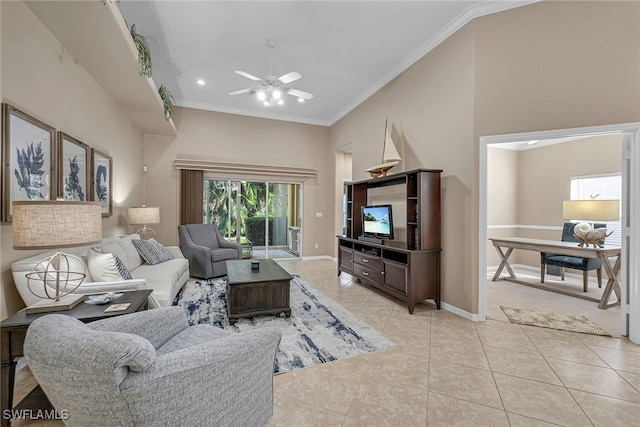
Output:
x,y
152,251
105,266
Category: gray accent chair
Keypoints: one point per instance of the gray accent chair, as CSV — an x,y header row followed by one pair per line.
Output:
x,y
152,369
206,250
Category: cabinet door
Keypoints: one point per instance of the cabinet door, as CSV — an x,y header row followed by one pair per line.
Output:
x,y
346,259
396,276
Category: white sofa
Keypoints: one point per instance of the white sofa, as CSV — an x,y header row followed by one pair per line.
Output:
x,y
166,278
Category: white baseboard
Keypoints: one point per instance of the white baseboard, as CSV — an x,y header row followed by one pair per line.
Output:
x,y
310,258
460,312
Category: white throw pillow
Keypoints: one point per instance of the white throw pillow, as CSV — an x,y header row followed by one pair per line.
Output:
x,y
106,266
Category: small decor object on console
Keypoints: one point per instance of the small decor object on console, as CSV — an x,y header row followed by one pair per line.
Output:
x,y
585,232
255,264
390,156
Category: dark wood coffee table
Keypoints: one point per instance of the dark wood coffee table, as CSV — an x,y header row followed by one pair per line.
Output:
x,y
14,329
253,292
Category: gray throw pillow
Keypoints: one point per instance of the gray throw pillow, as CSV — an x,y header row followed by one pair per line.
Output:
x,y
152,251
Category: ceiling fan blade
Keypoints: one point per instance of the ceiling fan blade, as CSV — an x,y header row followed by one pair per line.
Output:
x,y
241,91
290,77
247,75
299,94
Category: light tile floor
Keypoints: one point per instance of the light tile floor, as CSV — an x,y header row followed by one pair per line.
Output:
x,y
446,370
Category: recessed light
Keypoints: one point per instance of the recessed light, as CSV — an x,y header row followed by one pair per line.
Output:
x,y
200,82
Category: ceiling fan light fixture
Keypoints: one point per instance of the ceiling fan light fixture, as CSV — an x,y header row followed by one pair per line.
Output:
x,y
280,102
300,99
277,94
266,103
261,95
200,82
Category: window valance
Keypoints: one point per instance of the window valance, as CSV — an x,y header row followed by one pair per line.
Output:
x,y
243,168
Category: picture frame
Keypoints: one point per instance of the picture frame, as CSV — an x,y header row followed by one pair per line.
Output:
x,y
102,181
28,159
74,170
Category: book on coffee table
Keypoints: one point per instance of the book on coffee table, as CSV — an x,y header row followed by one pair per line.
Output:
x,y
117,307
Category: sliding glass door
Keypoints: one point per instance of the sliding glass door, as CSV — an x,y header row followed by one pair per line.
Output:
x,y
265,217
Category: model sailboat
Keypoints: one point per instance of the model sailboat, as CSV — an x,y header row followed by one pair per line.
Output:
x,y
390,156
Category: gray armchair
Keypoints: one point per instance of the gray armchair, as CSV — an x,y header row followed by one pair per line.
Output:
x,y
152,369
206,250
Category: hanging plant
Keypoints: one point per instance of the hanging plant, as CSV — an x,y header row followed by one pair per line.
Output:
x,y
167,101
144,55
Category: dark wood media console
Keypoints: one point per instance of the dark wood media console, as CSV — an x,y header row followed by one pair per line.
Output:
x,y
410,275
408,268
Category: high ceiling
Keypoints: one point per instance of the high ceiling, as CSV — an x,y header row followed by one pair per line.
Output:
x,y
344,50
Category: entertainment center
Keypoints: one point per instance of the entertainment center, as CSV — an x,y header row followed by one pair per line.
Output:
x,y
408,270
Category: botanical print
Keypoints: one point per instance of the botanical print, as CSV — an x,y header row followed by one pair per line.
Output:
x,y
74,169
102,189
30,173
28,147
102,181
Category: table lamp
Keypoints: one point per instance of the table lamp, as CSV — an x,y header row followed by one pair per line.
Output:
x,y
143,215
50,224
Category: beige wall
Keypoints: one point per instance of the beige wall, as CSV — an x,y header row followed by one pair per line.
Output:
x,y
40,77
549,65
239,139
527,187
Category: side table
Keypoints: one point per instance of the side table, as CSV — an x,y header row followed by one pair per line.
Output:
x,y
14,330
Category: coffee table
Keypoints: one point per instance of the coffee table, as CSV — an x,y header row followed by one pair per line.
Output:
x,y
14,329
254,292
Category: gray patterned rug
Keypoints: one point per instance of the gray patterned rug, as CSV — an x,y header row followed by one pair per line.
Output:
x,y
318,331
543,319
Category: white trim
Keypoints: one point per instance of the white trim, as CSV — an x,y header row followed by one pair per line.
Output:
x,y
524,227
630,271
460,312
311,258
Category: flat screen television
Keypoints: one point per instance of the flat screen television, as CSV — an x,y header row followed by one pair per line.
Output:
x,y
377,222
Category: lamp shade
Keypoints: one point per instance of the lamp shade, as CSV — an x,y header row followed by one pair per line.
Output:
x,y
143,215
51,224
591,210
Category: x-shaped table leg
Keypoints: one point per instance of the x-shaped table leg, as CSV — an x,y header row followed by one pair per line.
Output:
x,y
613,274
503,264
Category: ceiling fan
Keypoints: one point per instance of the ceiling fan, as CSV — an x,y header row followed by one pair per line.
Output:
x,y
272,88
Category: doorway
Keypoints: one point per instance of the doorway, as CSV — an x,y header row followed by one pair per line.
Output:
x,y
630,271
263,216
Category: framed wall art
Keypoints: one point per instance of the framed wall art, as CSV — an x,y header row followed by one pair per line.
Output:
x,y
28,159
73,168
101,181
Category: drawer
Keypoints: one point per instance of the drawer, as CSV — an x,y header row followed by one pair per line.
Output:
x,y
370,261
367,274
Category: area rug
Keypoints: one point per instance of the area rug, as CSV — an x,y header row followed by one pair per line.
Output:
x,y
318,331
553,321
